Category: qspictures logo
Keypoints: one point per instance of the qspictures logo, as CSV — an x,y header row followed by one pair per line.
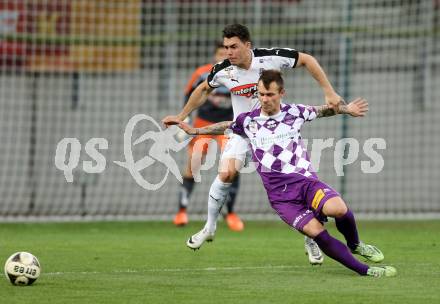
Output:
x,y
161,143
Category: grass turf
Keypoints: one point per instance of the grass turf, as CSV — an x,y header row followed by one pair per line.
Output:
x,y
148,262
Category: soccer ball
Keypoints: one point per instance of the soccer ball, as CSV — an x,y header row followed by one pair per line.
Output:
x,y
22,268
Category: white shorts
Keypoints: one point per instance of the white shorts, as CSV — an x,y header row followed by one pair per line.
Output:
x,y
237,148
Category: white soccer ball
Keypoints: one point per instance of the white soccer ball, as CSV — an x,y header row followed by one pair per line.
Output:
x,y
22,268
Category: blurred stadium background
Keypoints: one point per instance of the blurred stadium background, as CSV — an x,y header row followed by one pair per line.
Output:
x,y
83,68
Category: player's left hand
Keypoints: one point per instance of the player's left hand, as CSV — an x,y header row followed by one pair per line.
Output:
x,y
187,128
358,107
333,100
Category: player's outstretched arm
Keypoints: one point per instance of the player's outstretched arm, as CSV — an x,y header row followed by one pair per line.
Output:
x,y
197,98
214,129
356,108
332,99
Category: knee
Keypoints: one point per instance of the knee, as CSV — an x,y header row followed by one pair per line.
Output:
x,y
313,228
340,211
227,176
335,207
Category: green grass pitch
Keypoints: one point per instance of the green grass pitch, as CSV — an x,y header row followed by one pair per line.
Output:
x,y
148,262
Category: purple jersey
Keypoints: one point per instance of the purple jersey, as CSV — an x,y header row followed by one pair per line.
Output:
x,y
292,185
276,144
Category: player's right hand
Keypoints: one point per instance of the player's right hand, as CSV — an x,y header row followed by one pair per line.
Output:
x,y
171,120
187,128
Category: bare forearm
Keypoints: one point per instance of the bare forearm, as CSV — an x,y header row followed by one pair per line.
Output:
x,y
197,98
317,72
214,129
326,111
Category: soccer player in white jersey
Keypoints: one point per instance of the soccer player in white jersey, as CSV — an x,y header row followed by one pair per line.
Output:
x,y
293,188
239,73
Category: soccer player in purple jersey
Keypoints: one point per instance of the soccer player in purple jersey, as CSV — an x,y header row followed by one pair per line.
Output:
x,y
293,188
239,73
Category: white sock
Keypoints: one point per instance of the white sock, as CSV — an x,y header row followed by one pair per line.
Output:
x,y
217,197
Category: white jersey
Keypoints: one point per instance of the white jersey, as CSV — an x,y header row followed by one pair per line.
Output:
x,y
243,83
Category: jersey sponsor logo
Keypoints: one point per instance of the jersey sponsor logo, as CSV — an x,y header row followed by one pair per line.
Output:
x,y
319,195
280,139
236,80
247,90
271,124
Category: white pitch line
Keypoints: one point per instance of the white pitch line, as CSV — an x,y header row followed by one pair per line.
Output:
x,y
230,268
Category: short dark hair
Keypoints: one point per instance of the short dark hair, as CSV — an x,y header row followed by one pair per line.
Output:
x,y
237,30
269,76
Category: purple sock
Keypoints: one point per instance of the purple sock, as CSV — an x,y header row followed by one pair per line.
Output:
x,y
346,225
339,252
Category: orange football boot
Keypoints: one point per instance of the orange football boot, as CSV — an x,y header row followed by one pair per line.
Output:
x,y
234,222
181,218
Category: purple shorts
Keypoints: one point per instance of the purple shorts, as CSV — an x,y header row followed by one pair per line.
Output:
x,y
298,203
